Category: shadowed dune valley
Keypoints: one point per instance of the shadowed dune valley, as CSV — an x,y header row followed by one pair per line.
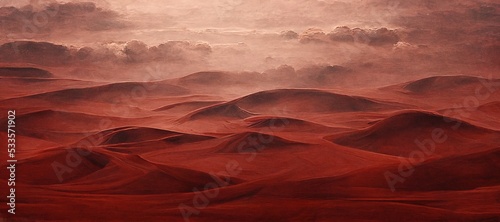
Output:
x,y
231,110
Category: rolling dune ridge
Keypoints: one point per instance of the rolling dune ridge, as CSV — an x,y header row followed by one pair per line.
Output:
x,y
270,146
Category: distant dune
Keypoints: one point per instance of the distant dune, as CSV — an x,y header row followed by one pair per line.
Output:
x,y
218,79
14,72
220,111
142,139
54,120
207,78
187,106
447,83
389,135
310,100
29,86
259,122
134,134
114,92
285,123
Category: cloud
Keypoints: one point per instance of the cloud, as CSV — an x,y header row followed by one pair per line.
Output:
x,y
133,52
374,36
343,34
33,20
176,51
169,52
462,36
313,35
404,46
318,75
283,73
289,34
136,51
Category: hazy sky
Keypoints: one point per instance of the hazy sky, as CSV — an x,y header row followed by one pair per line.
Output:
x,y
397,37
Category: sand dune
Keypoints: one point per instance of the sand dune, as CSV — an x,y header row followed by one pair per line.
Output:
x,y
397,135
254,142
490,109
220,111
41,171
157,180
60,126
448,83
208,78
295,148
136,140
187,106
134,135
270,122
286,124
114,92
442,174
457,173
309,100
29,86
16,72
54,120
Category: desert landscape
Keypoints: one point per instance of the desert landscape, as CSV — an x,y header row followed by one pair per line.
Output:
x,y
145,111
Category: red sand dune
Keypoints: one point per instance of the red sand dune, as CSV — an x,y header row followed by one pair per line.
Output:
x,y
490,109
111,92
209,78
187,106
141,140
242,143
42,174
225,110
60,126
310,100
271,155
440,83
397,135
27,81
444,92
16,72
432,175
285,124
134,135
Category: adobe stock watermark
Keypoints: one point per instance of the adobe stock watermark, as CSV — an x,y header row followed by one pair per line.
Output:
x,y
427,147
121,107
251,146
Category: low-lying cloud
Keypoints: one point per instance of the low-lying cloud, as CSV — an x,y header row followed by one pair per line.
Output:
x,y
49,54
373,37
31,21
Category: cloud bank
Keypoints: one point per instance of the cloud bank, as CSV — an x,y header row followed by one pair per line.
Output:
x,y
370,38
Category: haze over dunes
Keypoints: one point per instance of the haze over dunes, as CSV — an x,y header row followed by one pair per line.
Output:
x,y
232,110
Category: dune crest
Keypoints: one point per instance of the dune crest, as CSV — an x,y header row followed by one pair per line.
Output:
x,y
413,128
